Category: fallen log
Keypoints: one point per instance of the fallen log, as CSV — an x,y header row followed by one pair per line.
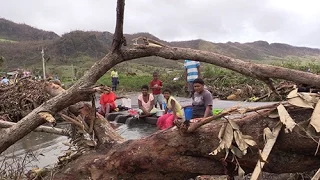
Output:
x,y
46,129
169,154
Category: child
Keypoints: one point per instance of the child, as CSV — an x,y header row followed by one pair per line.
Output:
x,y
167,120
146,102
156,86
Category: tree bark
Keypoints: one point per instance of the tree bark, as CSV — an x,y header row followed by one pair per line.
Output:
x,y
46,129
259,71
170,155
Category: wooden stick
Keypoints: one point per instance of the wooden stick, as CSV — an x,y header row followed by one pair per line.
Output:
x,y
46,129
207,120
316,175
75,122
265,153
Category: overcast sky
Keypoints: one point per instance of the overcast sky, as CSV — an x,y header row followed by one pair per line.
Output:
x,y
294,22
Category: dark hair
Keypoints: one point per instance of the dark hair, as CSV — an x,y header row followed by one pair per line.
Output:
x,y
155,73
145,87
198,80
166,90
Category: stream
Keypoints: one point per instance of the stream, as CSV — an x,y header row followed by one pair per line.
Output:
x,y
47,147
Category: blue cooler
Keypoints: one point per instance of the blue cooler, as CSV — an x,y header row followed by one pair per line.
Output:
x,y
187,113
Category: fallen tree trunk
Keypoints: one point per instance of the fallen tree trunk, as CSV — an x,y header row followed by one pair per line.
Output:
x,y
259,71
46,129
170,155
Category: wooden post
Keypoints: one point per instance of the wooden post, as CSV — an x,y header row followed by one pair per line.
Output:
x,y
43,64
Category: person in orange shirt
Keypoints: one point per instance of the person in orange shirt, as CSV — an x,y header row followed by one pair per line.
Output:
x,y
107,101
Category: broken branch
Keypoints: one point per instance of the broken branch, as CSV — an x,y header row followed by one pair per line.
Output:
x,y
58,131
75,122
118,38
207,120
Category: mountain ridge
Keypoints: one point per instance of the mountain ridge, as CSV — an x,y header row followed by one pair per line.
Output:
x,y
21,42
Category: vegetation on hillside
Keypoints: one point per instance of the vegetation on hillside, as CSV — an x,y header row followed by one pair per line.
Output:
x,y
22,32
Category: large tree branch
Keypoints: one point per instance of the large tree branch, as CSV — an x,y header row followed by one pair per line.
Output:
x,y
259,71
118,37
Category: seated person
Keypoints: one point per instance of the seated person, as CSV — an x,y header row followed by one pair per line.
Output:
x,y
167,120
201,100
146,102
107,101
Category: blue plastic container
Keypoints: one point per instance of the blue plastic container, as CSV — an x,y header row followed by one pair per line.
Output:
x,y
187,113
164,105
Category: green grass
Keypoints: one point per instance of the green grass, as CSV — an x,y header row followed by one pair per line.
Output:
x,y
7,40
128,83
134,83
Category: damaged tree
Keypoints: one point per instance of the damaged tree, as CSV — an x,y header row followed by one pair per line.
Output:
x,y
181,152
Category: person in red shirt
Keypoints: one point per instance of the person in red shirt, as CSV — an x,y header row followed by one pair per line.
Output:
x,y
107,101
156,86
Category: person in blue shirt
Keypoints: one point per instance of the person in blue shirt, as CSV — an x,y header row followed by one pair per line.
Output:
x,y
192,72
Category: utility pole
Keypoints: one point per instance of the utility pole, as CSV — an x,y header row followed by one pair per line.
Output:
x,y
73,74
43,64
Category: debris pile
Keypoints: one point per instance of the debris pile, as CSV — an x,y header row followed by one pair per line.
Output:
x,y
19,99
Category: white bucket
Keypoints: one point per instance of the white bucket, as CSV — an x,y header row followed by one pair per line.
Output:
x,y
126,102
160,113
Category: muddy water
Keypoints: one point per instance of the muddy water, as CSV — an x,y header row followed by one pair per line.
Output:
x,y
47,147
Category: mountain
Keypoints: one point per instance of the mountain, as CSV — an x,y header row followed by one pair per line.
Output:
x,y
20,45
22,32
258,50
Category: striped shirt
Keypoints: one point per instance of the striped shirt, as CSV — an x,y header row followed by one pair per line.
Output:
x,y
192,69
